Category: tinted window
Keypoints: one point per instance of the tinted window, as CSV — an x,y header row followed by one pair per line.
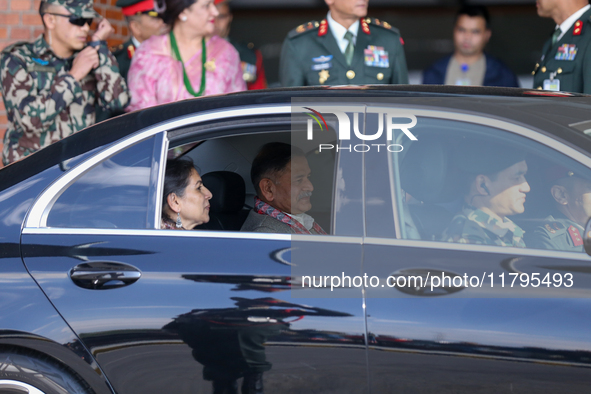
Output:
x,y
467,183
113,194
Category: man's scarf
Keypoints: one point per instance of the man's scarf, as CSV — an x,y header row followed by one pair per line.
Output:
x,y
262,208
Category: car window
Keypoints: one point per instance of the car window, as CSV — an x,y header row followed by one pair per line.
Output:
x,y
461,182
225,163
115,193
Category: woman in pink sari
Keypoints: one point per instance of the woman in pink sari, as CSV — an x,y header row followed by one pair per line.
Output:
x,y
184,63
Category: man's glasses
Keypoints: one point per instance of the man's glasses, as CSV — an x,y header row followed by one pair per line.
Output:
x,y
74,19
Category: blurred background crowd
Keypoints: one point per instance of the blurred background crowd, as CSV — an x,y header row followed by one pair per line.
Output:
x,y
257,28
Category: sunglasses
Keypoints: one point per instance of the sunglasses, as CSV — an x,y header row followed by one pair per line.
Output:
x,y
74,19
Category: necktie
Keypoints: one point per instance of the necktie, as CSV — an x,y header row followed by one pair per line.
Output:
x,y
350,48
555,35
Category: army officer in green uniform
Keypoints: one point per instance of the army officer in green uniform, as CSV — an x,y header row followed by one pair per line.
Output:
x,y
345,48
144,21
566,61
564,228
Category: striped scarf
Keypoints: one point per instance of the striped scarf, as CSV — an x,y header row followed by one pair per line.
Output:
x,y
262,208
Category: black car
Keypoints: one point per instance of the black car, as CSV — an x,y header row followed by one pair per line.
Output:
x,y
96,298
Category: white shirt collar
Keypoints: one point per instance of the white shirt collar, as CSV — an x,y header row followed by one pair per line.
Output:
x,y
338,31
304,219
566,25
135,41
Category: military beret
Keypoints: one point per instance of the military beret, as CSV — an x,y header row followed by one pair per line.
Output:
x,y
485,157
557,172
81,8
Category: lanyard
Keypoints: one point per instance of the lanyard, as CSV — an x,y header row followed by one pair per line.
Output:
x,y
188,86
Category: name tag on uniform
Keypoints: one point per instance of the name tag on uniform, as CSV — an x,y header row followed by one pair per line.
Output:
x,y
40,68
323,66
553,85
566,52
376,56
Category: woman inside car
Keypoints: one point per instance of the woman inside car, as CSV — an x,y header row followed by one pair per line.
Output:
x,y
185,202
189,61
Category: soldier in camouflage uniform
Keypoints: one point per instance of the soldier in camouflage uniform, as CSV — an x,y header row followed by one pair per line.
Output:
x,y
50,86
496,189
564,228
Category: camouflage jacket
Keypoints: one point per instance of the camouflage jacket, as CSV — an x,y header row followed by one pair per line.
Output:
x,y
44,103
474,226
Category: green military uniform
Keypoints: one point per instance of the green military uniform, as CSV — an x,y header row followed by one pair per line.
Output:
x,y
311,56
474,226
123,53
558,233
43,101
568,60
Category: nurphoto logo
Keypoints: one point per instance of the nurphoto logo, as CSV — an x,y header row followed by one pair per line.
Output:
x,y
388,120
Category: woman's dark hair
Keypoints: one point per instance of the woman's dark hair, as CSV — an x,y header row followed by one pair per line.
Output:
x,y
174,9
176,178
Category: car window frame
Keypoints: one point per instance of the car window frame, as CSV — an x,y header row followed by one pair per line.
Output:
x,y
534,134
171,132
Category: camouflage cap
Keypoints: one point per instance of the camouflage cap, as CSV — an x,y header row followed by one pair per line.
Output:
x,y
81,8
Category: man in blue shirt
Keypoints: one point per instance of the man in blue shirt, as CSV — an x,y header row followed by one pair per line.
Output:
x,y
468,65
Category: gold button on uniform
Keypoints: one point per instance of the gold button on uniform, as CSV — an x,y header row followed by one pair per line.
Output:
x,y
380,76
559,71
543,69
539,88
350,74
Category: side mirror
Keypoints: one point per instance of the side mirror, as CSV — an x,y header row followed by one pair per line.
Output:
x,y
587,237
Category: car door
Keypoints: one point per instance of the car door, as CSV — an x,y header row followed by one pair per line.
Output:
x,y
498,329
182,311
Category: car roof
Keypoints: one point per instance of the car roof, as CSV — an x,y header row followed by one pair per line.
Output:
x,y
532,107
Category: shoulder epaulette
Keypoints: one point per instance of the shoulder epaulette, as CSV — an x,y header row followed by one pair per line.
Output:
x,y
306,27
381,23
554,229
11,47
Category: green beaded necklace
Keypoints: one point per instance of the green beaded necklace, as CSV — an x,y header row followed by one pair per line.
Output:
x,y
188,86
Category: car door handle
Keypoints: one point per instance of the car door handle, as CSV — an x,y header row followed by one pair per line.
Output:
x,y
103,275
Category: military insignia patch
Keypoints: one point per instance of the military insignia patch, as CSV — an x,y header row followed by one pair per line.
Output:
x,y
321,66
322,59
376,57
323,28
249,72
575,236
578,28
550,229
566,52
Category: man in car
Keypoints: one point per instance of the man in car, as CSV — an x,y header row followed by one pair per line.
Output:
x,y
469,65
565,58
280,174
50,86
344,48
563,229
496,189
